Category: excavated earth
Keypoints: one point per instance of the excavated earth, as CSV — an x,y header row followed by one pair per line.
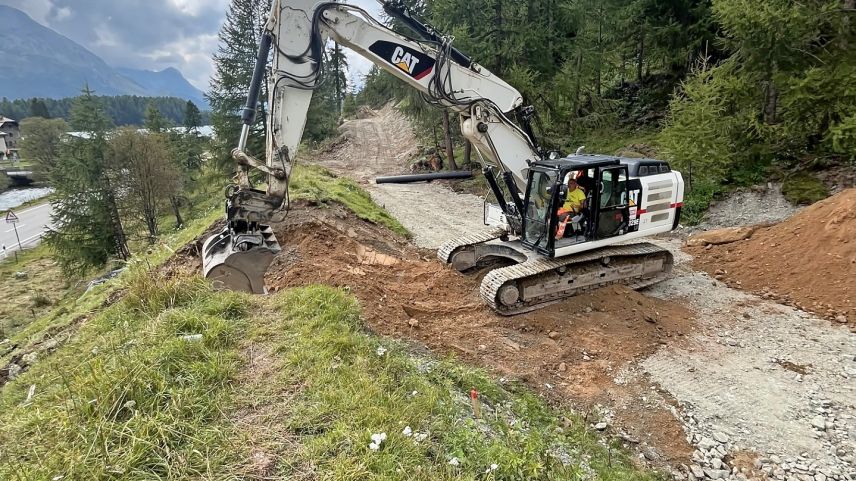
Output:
x,y
809,260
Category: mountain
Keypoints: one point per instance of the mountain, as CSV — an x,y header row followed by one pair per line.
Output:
x,y
166,83
39,62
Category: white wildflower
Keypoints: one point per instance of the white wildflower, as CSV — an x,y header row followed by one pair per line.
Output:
x,y
374,447
407,431
454,461
493,467
381,351
418,437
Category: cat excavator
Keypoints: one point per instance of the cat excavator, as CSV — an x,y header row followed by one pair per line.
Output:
x,y
534,254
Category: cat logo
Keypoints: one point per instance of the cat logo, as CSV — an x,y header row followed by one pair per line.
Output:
x,y
404,60
412,62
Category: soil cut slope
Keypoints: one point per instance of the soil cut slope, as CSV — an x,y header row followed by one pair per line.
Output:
x,y
809,260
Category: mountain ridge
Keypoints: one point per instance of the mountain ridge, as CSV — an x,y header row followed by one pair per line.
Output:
x,y
47,64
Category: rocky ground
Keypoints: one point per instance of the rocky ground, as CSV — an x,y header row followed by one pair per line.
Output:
x,y
726,384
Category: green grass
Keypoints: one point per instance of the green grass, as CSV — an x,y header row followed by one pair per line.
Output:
x,y
31,296
346,392
321,186
130,398
803,189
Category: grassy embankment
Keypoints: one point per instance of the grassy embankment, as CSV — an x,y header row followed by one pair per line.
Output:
x,y
289,386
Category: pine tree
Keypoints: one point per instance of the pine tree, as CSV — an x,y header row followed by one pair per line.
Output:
x,y
38,108
87,227
155,121
192,117
233,71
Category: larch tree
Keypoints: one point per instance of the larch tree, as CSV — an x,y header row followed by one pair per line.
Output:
x,y
87,229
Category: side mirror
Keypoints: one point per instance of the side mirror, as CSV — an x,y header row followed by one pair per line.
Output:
x,y
563,191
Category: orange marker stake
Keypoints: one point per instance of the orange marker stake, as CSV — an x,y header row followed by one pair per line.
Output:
x,y
474,400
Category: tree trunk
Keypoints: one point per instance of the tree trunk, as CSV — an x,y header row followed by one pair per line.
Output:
x,y
849,6
178,220
640,54
450,152
497,20
118,231
468,153
338,80
597,81
771,105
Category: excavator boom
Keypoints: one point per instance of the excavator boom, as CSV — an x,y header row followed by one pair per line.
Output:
x,y
553,254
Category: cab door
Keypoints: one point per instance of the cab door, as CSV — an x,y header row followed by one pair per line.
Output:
x,y
613,210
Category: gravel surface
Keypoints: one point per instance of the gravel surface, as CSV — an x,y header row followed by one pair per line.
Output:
x,y
758,205
763,377
381,145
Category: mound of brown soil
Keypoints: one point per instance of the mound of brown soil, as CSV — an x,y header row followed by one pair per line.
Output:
x,y
809,260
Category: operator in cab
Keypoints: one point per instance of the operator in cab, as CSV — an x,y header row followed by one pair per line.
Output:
x,y
571,211
575,201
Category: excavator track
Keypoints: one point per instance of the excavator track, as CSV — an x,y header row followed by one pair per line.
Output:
x,y
449,248
539,282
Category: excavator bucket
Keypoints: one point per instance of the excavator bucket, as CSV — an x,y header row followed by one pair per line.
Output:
x,y
238,262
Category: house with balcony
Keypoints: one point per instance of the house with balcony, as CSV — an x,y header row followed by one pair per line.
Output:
x,y
10,135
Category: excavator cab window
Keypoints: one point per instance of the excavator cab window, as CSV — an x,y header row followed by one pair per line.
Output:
x,y
612,205
539,205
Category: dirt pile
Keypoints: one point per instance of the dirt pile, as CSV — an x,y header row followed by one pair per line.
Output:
x,y
809,260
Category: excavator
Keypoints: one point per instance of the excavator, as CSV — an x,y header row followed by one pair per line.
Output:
x,y
534,255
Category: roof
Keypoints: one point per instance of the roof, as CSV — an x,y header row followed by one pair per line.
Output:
x,y
4,120
580,161
588,161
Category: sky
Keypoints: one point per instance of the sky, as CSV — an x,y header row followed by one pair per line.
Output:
x,y
153,34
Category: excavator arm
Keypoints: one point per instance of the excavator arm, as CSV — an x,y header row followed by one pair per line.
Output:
x,y
297,31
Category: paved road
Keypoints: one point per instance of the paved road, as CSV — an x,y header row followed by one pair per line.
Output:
x,y
31,226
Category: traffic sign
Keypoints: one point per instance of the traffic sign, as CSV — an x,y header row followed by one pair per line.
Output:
x,y
11,218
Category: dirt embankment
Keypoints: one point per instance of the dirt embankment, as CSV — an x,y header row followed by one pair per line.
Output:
x,y
808,261
574,351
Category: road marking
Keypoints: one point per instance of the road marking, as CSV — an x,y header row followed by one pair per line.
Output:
x,y
35,207
25,242
13,228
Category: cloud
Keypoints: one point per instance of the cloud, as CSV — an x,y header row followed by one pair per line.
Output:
x,y
130,33
155,34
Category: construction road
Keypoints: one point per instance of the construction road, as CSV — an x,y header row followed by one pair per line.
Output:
x,y
31,227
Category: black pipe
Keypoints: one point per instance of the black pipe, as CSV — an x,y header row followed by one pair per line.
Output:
x,y
248,114
399,11
494,187
513,190
403,179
